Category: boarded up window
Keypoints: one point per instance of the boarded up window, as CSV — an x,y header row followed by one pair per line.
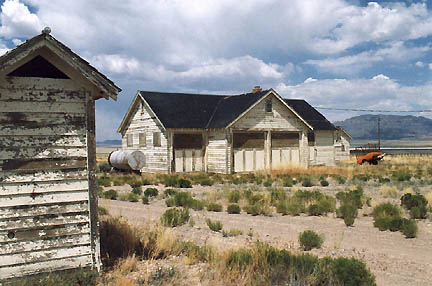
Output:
x,y
129,139
248,140
268,105
156,139
142,139
38,67
188,141
311,139
287,139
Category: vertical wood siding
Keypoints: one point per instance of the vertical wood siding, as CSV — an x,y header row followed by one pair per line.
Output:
x,y
44,183
217,151
143,122
324,145
342,149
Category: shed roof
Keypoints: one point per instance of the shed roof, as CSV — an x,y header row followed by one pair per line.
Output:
x,y
182,110
30,47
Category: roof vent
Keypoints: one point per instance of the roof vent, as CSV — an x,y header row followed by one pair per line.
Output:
x,y
256,88
46,31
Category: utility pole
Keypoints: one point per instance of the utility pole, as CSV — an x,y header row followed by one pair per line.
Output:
x,y
379,133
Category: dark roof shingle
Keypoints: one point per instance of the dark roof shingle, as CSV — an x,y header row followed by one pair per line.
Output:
x,y
182,110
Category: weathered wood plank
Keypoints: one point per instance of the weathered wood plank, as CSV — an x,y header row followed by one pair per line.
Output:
x,y
58,95
51,107
43,187
43,221
39,119
43,255
40,84
37,210
42,176
44,244
44,232
42,153
43,198
47,266
43,130
24,141
42,164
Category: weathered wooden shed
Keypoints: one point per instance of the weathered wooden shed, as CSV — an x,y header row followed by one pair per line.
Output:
x,y
342,144
224,134
48,194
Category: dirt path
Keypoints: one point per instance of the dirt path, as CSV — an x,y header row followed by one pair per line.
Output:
x,y
393,259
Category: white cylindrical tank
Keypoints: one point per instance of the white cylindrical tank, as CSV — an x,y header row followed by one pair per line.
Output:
x,y
127,159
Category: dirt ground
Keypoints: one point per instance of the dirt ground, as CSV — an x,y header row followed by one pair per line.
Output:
x,y
392,258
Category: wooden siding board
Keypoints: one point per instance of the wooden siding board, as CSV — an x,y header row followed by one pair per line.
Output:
x,y
46,209
42,84
23,95
50,107
43,198
47,266
42,176
44,244
43,220
45,232
42,187
42,153
44,255
53,141
42,164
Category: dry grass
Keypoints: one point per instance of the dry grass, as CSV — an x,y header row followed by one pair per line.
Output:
x,y
428,197
387,191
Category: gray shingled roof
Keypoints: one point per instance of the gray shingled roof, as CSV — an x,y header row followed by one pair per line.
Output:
x,y
181,110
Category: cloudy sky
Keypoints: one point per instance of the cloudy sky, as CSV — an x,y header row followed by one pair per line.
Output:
x,y
333,53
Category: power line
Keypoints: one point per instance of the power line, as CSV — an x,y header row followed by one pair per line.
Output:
x,y
373,110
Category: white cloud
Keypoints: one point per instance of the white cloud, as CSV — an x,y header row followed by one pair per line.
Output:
x,y
352,64
420,64
17,20
3,48
377,93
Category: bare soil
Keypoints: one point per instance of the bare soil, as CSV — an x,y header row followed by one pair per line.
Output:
x,y
392,258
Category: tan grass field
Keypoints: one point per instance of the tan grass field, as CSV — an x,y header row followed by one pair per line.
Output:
x,y
392,258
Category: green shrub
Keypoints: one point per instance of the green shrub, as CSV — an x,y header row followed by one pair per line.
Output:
x,y
307,182
102,211
137,191
196,205
253,209
349,220
351,272
277,195
309,239
409,201
151,192
324,183
341,180
132,197
347,210
314,210
239,259
145,200
401,175
289,207
253,199
214,225
206,182
386,210
169,192
268,183
395,223
175,217
353,197
362,177
104,181
409,228
287,182
233,209
382,223
100,191
383,180
419,212
184,183
327,204
111,195
234,196
104,168
135,184
180,199
214,207
170,180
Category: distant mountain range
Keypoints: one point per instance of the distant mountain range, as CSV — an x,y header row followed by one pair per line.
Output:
x,y
393,127
109,142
